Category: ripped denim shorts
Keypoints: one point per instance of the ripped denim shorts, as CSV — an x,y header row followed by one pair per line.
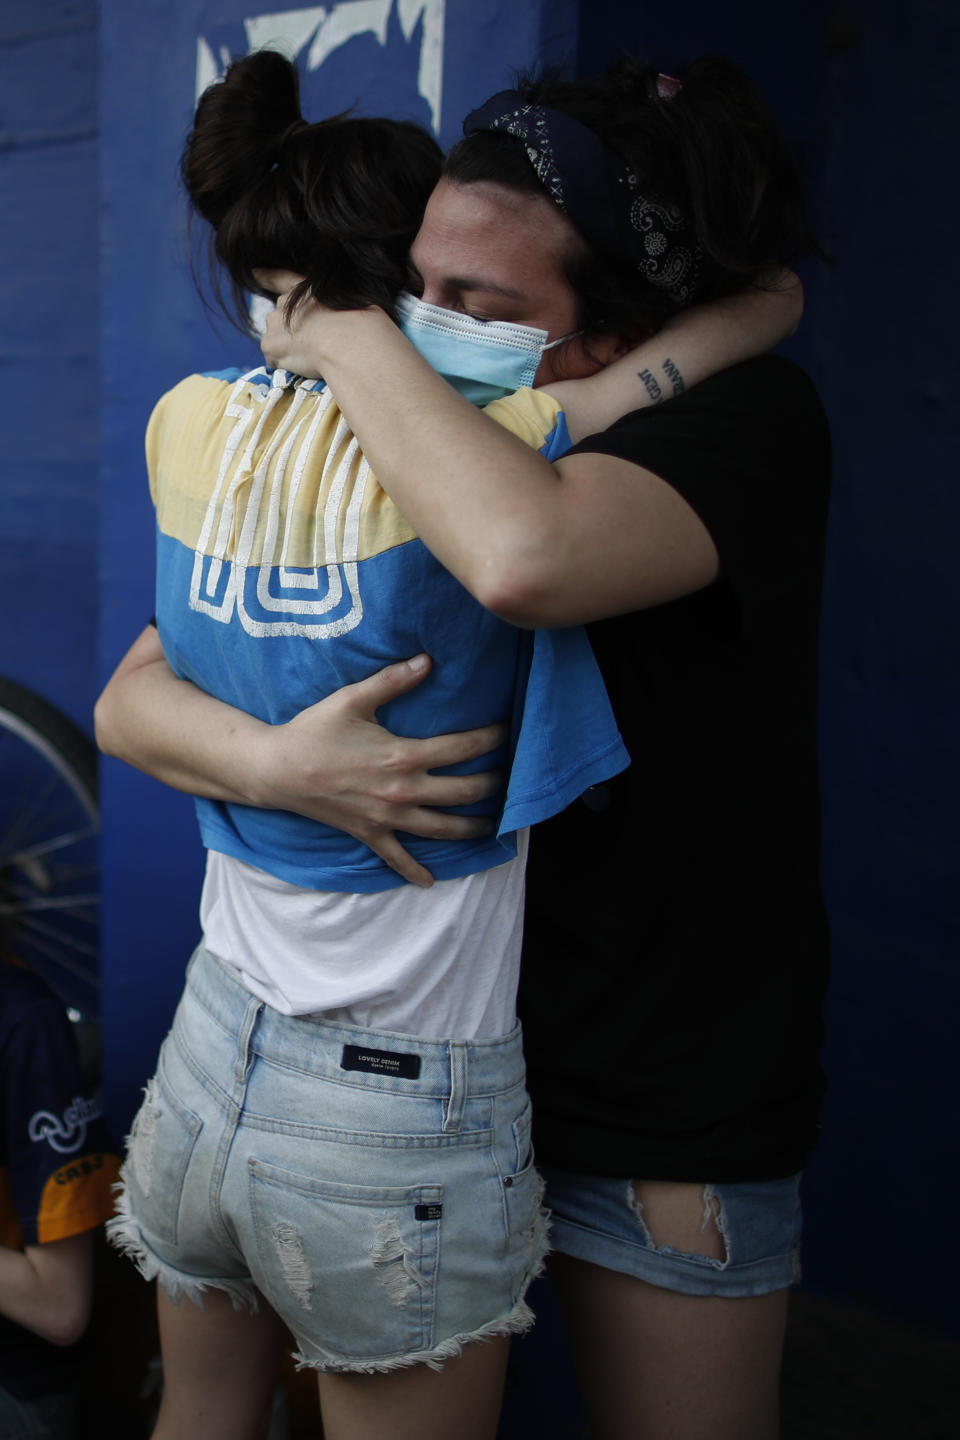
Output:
x,y
377,1189
757,1224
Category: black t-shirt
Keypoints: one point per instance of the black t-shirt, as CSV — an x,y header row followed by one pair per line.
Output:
x,y
675,951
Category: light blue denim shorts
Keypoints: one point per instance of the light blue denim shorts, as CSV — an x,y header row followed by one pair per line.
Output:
x,y
377,1189
597,1219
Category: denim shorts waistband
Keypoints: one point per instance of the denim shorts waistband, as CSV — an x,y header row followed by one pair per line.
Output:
x,y
405,1063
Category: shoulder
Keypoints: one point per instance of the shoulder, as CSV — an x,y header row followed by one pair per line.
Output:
x,y
743,426
748,451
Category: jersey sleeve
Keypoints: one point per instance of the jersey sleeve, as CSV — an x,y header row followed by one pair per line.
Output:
x,y
535,418
61,1165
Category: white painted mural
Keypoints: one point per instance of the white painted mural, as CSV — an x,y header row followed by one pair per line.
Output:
x,y
312,34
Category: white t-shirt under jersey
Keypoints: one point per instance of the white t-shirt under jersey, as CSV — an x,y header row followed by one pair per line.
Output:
x,y
441,962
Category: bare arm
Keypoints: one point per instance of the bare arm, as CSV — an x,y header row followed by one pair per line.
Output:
x,y
539,544
332,762
689,348
49,1288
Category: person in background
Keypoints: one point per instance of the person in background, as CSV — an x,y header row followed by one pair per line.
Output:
x,y
57,1170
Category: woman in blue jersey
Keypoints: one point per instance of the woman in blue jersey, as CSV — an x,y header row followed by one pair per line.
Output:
x,y
338,1132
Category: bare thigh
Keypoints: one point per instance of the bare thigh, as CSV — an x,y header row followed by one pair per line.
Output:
x,y
460,1402
655,1364
220,1368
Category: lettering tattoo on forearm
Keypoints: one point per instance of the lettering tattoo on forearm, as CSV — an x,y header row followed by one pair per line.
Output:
x,y
650,385
674,376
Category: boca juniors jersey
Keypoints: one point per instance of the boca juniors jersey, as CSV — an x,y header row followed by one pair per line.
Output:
x,y
284,571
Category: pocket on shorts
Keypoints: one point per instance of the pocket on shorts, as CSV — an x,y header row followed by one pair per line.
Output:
x,y
350,1268
161,1142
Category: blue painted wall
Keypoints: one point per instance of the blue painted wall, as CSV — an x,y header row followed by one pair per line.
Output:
x,y
49,350
870,99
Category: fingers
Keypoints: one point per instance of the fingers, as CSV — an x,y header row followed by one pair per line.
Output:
x,y
430,825
414,786
433,826
390,850
366,696
442,750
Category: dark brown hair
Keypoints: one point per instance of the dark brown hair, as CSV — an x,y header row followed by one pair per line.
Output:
x,y
339,201
713,149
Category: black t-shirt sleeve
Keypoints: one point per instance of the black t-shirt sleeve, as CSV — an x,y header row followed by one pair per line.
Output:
x,y
749,451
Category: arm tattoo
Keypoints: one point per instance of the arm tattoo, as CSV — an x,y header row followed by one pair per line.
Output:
x,y
673,374
650,385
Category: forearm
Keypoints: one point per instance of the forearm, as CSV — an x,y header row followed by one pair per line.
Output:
x,y
175,732
690,347
333,762
473,491
496,514
48,1288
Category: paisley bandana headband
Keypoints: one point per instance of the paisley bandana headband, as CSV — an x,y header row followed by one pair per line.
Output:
x,y
599,192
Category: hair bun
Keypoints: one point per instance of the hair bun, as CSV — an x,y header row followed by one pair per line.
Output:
x,y
241,124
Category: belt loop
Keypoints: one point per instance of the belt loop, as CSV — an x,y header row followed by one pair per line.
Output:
x,y
244,1058
458,1087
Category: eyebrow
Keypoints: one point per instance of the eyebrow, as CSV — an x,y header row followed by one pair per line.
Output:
x,y
478,282
473,283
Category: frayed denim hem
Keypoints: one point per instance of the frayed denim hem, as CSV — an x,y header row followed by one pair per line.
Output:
x,y
519,1320
124,1234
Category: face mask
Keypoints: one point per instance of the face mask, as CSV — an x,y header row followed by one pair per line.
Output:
x,y
482,359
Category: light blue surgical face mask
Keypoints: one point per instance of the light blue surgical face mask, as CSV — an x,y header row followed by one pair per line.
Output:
x,y
482,359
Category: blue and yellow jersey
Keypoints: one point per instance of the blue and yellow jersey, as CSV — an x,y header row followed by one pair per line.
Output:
x,y
285,572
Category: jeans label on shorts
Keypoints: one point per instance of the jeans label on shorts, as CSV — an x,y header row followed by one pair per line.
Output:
x,y
427,1212
380,1062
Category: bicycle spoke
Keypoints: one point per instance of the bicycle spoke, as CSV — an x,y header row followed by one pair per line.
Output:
x,y
49,905
38,933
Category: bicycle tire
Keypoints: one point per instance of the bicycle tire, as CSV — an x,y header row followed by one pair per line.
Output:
x,y
49,821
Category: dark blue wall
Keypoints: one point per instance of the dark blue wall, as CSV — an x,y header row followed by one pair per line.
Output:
x,y
891,683
49,350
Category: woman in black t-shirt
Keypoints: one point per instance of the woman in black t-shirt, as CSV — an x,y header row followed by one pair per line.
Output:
x,y
675,953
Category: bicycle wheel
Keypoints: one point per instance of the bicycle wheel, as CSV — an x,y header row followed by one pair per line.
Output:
x,y
49,821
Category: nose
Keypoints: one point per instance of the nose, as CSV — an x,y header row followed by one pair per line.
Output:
x,y
432,294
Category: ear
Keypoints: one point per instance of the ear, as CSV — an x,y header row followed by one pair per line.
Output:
x,y
605,346
578,358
